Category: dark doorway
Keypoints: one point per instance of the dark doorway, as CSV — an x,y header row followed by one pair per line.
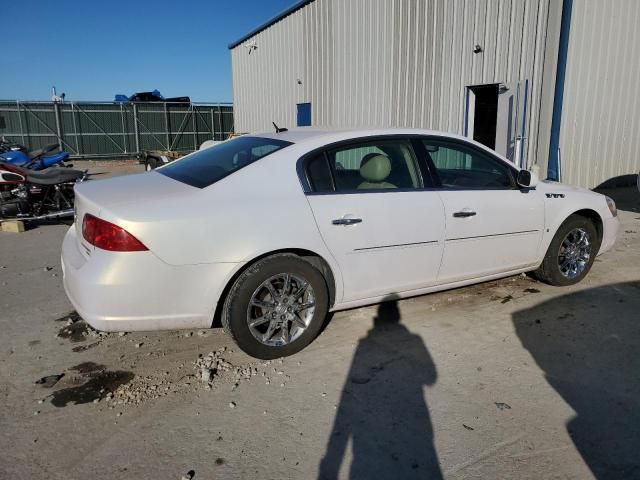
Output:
x,y
485,114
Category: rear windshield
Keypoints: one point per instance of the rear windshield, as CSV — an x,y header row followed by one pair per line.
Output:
x,y
205,167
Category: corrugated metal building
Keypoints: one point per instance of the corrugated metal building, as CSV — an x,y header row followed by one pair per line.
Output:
x,y
537,80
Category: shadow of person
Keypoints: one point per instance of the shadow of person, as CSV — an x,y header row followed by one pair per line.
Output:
x,y
587,344
382,409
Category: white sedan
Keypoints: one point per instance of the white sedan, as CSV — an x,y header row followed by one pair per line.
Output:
x,y
270,232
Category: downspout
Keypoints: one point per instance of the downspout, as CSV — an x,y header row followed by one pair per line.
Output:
x,y
554,167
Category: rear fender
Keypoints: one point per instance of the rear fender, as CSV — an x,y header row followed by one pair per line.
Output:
x,y
323,262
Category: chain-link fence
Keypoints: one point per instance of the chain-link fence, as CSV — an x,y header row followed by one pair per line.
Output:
x,y
100,129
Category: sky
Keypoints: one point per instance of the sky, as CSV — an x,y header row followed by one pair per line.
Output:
x,y
92,49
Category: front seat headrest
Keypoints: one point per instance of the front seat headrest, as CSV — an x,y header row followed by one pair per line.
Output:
x,y
375,167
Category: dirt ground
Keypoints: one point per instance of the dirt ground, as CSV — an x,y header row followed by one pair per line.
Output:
x,y
503,380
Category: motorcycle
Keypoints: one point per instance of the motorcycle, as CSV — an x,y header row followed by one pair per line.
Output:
x,y
9,146
32,196
35,160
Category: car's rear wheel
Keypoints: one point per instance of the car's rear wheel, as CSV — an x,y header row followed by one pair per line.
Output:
x,y
276,307
571,252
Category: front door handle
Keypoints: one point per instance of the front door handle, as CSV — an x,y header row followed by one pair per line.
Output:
x,y
346,221
464,213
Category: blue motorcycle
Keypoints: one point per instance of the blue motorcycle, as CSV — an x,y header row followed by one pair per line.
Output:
x,y
34,160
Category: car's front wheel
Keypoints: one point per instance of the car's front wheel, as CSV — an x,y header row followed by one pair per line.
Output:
x,y
276,307
571,252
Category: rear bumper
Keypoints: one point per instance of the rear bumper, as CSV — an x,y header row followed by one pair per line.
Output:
x,y
115,291
610,232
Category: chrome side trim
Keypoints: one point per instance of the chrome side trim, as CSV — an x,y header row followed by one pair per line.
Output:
x,y
397,245
492,235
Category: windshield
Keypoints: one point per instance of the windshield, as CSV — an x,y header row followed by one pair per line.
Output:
x,y
205,167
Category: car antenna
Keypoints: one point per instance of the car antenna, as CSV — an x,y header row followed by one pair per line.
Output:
x,y
278,129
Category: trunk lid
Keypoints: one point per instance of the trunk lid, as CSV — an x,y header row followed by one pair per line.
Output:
x,y
132,202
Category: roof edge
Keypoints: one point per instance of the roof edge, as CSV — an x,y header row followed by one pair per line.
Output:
x,y
285,13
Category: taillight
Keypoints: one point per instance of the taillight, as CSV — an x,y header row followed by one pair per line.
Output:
x,y
107,236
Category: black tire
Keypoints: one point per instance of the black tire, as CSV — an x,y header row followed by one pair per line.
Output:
x,y
549,271
150,164
234,312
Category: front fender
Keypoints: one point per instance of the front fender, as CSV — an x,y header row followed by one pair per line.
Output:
x,y
562,201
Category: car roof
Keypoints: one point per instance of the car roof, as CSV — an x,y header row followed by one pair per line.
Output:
x,y
313,137
302,135
297,135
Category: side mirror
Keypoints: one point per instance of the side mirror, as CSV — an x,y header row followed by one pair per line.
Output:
x,y
527,179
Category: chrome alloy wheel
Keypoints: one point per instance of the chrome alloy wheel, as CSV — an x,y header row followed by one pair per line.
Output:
x,y
574,254
280,309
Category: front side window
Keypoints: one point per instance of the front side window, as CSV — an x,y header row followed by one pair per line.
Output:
x,y
462,167
381,165
205,167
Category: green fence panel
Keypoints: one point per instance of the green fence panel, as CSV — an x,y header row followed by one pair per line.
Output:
x,y
103,129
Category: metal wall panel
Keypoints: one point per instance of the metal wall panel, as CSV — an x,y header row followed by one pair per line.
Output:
x,y
599,137
265,78
390,63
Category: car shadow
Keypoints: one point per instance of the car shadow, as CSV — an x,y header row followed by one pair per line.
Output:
x,y
626,198
382,409
588,343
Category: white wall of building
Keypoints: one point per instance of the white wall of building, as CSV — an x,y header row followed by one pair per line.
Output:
x,y
600,129
397,63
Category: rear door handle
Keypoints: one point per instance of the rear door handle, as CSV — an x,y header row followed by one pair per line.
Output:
x,y
464,213
346,221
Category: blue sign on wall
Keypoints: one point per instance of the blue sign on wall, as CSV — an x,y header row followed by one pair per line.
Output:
x,y
304,115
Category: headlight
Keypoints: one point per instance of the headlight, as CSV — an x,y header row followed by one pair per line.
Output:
x,y
612,206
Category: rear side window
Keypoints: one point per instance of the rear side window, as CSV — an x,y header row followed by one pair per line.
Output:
x,y
319,174
205,167
381,165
